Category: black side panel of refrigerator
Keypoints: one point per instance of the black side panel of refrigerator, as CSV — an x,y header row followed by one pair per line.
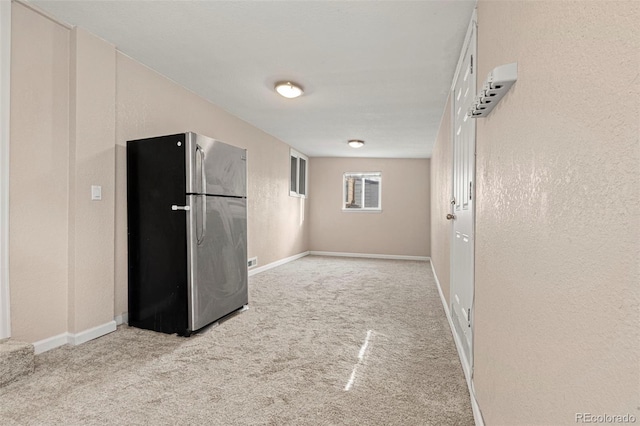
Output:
x,y
157,235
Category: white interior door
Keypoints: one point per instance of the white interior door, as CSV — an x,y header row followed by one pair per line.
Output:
x,y
462,202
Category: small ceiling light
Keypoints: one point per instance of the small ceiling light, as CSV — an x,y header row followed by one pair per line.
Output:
x,y
355,143
288,89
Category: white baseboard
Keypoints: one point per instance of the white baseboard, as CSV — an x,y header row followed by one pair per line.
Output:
x,y
280,262
477,414
92,333
122,318
73,339
368,255
50,343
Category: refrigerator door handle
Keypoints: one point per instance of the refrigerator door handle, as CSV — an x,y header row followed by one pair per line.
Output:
x,y
203,219
185,208
203,190
203,172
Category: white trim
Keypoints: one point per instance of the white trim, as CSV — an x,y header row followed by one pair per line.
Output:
x,y
122,318
369,255
5,115
73,339
372,174
92,333
361,210
50,343
277,263
477,414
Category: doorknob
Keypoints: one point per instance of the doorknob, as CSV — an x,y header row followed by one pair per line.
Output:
x,y
451,216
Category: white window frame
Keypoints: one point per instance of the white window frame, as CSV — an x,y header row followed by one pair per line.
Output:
x,y
362,175
294,192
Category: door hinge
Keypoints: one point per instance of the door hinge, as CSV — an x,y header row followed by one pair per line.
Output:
x,y
470,190
469,317
471,66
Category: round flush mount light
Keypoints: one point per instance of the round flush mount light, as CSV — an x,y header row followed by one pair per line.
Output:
x,y
288,89
355,143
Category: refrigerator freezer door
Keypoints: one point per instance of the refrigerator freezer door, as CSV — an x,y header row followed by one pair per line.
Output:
x,y
225,167
218,282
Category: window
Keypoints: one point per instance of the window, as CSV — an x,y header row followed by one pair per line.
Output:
x,y
298,176
362,191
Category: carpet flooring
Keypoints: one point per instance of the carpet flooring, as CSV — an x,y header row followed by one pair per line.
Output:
x,y
325,341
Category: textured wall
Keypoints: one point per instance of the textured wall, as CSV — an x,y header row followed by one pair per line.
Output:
x,y
39,172
91,162
401,229
441,187
558,206
148,104
62,142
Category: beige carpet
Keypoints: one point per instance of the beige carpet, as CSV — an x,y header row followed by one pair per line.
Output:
x,y
285,361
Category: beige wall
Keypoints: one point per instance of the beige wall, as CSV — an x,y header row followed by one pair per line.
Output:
x,y
39,173
92,162
75,102
441,187
62,133
401,229
150,105
557,237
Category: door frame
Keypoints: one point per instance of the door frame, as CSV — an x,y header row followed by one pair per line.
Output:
x,y
467,364
5,106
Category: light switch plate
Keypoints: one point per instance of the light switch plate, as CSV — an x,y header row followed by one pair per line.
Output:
x,y
96,192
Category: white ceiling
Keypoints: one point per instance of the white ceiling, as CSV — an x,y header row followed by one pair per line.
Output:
x,y
377,71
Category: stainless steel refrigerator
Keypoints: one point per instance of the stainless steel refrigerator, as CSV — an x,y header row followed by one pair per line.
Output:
x,y
187,232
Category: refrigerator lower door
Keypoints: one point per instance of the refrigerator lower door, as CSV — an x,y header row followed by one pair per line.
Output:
x,y
218,258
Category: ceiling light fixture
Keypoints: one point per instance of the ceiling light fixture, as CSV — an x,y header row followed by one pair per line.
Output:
x,y
288,89
355,143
